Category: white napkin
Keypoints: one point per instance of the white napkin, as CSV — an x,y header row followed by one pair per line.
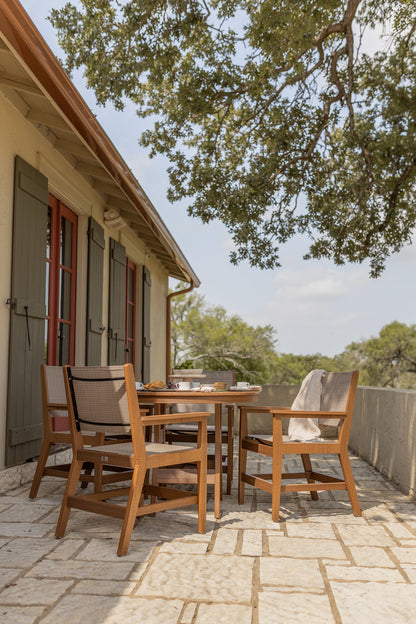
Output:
x,y
308,399
207,389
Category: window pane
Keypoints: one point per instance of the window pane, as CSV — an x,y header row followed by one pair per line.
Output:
x,y
129,354
131,285
45,357
48,235
66,242
130,328
63,344
65,295
48,266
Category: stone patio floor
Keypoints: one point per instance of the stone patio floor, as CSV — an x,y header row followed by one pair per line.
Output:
x,y
320,564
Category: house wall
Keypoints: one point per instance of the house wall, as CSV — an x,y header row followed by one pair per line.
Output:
x,y
20,137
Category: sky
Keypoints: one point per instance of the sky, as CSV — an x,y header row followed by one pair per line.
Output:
x,y
314,306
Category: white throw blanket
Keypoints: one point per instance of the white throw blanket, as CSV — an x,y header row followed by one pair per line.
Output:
x,y
308,399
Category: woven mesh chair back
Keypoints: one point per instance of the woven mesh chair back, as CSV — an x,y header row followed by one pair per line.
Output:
x,y
55,389
99,398
335,389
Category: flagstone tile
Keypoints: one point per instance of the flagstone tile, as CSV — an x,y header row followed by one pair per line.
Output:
x,y
381,603
405,555
410,570
23,529
7,575
29,591
281,608
180,546
374,535
106,550
287,572
20,615
225,542
311,530
305,548
25,512
371,556
354,573
24,552
252,543
104,588
76,609
82,569
223,614
199,577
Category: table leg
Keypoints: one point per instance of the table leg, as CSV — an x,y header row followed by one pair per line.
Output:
x,y
157,437
218,461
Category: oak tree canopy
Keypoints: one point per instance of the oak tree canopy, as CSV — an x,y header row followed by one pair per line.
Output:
x,y
277,118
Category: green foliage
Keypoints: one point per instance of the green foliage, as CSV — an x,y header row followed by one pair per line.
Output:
x,y
207,337
292,369
388,360
274,119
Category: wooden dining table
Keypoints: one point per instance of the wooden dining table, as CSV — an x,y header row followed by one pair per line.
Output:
x,y
161,398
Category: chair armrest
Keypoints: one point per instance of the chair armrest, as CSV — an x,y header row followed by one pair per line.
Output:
x,y
168,419
289,413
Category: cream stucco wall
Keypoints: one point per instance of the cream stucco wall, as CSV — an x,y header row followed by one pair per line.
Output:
x,y
19,136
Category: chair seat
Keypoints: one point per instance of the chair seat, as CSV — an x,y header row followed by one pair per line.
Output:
x,y
268,439
152,448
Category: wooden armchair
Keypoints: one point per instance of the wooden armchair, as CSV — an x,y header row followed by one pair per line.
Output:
x,y
337,402
56,431
104,399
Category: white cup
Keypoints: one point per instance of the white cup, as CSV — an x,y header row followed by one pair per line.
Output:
x,y
184,385
139,385
243,385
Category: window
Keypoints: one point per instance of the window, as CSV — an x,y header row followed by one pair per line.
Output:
x,y
130,310
60,284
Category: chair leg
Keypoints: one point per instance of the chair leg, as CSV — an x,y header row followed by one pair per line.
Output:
x,y
307,466
202,495
242,455
136,488
230,451
276,482
98,476
43,458
277,467
88,468
349,482
71,486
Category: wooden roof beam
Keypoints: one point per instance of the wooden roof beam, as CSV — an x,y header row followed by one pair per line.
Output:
x,y
76,149
93,171
47,119
17,83
109,189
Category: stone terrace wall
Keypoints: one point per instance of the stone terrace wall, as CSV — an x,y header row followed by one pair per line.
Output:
x,y
384,433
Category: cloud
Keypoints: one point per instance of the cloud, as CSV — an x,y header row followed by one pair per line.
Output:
x,y
317,284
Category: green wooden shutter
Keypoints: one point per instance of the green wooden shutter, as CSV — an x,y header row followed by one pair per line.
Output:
x,y
95,328
146,342
117,304
27,315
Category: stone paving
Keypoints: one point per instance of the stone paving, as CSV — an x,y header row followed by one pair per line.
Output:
x,y
319,565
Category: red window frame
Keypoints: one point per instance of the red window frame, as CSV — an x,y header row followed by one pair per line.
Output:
x,y
130,306
59,210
